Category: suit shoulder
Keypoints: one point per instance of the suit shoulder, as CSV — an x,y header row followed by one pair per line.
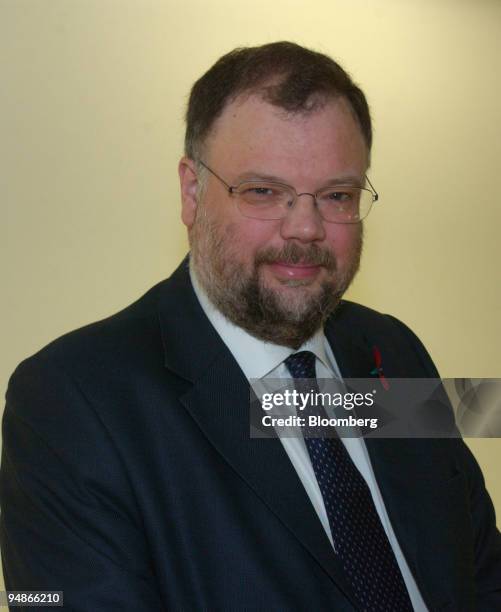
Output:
x,y
352,311
383,330
127,334
368,318
356,314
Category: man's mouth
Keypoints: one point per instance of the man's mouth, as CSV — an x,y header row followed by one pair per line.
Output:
x,y
294,271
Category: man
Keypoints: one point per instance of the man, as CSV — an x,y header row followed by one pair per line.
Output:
x,y
129,479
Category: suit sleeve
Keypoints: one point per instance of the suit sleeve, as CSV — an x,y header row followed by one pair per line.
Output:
x,y
68,521
487,538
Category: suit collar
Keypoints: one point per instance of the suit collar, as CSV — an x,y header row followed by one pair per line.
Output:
x,y
350,345
190,342
256,357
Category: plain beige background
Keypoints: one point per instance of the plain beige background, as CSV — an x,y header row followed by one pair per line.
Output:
x,y
92,99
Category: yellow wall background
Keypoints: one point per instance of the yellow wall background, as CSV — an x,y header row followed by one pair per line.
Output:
x,y
91,105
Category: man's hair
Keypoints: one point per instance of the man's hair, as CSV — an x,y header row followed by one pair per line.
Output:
x,y
284,74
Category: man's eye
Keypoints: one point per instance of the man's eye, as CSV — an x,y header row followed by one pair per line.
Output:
x,y
261,191
340,196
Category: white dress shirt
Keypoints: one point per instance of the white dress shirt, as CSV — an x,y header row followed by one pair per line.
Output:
x,y
259,359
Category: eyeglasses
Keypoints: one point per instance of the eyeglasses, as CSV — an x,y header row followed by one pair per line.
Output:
x,y
268,200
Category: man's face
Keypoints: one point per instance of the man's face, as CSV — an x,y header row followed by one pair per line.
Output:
x,y
279,279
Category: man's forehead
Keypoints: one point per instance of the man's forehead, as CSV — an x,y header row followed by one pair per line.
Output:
x,y
252,107
252,124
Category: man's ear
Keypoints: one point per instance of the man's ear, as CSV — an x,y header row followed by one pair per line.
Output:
x,y
189,186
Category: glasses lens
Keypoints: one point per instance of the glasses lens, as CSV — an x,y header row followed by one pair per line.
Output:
x,y
260,200
344,204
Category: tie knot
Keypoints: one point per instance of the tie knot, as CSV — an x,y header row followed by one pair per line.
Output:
x,y
301,365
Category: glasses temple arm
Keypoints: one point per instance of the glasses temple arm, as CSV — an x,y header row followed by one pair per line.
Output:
x,y
375,193
230,189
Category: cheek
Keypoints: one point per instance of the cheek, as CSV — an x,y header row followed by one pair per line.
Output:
x,y
345,240
248,236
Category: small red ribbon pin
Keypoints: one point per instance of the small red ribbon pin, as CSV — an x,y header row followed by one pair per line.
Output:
x,y
379,368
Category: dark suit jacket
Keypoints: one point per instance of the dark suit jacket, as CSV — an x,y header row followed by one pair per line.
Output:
x,y
130,482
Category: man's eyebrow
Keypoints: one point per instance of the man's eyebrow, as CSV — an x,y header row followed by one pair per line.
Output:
x,y
260,176
352,180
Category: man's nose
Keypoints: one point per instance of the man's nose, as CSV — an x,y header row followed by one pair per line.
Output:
x,y
303,221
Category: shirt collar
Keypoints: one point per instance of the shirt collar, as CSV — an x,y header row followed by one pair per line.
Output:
x,y
255,357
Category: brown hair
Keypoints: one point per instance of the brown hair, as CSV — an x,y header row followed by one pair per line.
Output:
x,y
283,73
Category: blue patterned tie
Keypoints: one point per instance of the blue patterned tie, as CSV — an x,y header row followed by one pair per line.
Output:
x,y
359,537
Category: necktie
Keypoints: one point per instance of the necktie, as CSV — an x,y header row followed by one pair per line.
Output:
x,y
359,537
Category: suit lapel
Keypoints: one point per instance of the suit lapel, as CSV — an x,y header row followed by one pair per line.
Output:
x,y
350,346
395,462
408,473
219,400
219,403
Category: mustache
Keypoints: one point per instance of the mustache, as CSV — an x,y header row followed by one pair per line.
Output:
x,y
293,253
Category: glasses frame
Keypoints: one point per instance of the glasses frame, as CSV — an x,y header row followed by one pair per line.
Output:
x,y
232,190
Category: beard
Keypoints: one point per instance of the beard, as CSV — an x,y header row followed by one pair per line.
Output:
x,y
287,318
